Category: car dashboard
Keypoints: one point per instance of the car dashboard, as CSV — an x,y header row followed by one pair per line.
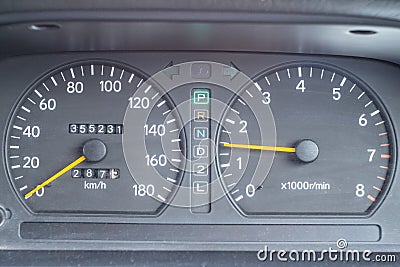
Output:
x,y
188,133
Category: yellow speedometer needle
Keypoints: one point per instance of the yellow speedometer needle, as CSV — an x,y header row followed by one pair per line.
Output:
x,y
269,148
57,175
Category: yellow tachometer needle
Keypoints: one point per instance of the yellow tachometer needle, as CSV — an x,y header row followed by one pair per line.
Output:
x,y
269,148
57,175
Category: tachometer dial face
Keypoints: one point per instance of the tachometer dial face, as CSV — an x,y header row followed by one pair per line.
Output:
x,y
334,149
64,142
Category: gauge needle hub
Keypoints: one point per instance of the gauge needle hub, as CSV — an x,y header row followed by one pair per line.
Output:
x,y
57,175
268,148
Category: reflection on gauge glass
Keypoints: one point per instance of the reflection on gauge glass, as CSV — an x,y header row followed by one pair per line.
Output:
x,y
64,142
334,150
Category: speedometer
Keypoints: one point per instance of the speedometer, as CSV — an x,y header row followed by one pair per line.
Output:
x,y
334,148
64,142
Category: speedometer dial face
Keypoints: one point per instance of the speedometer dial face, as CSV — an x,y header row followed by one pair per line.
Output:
x,y
64,142
334,148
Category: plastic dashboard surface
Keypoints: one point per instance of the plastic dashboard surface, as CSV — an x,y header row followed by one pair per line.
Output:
x,y
343,48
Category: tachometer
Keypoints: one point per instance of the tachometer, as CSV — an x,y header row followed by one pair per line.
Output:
x,y
334,148
64,142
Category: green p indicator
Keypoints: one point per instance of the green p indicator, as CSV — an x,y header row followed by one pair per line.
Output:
x,y
201,96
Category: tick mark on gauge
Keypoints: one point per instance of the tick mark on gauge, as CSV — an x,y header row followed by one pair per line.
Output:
x,y
299,71
26,109
381,178
169,190
361,95
21,118
15,137
369,103
235,191
91,70
161,103
39,94
160,197
170,121
333,76
112,72
234,110
147,89
102,70
371,198
140,82
288,73
258,87
239,198
247,91
241,101
23,188
266,78
385,156
63,77
379,123
122,74
15,167
376,188
231,185
54,81
30,100
82,71
131,77
230,121
322,73
45,86
343,81
171,180
277,76
166,112
17,127
71,70
374,113
226,165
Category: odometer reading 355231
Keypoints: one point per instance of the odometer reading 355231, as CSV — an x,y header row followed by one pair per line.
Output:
x,y
334,144
64,142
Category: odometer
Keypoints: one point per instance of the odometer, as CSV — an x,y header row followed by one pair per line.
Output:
x,y
64,142
334,148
